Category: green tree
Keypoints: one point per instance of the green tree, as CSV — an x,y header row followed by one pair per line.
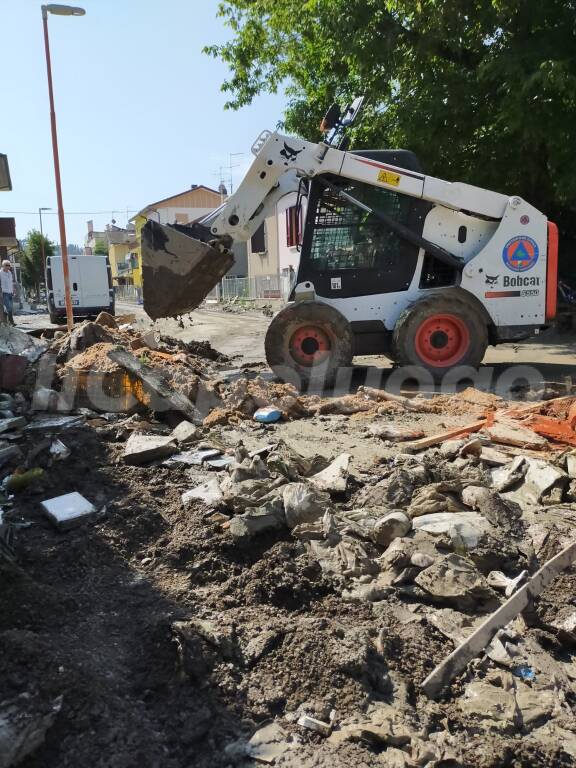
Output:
x,y
100,248
484,91
32,263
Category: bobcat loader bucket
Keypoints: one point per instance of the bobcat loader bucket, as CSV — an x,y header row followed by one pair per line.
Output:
x,y
178,270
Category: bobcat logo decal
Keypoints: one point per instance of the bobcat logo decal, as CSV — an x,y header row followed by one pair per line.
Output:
x,y
289,153
492,279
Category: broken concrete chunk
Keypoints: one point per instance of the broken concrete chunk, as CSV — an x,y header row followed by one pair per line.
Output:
x,y
59,451
513,434
268,517
571,465
494,707
151,339
260,645
335,477
54,423
250,468
8,425
140,449
421,560
305,721
491,505
107,320
88,334
24,721
498,580
394,432
208,493
452,624
493,457
68,510
535,706
268,744
389,527
13,341
507,476
303,503
192,458
468,527
220,463
436,497
455,579
184,433
539,480
9,453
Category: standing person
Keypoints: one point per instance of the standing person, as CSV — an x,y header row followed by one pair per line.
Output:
x,y
7,285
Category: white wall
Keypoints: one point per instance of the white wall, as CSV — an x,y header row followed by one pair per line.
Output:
x,y
168,214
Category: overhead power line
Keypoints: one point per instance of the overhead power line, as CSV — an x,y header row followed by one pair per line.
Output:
x,y
72,213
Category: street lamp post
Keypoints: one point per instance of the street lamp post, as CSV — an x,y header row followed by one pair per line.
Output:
x,y
42,237
59,10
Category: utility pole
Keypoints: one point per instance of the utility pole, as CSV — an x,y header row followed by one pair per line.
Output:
x,y
59,10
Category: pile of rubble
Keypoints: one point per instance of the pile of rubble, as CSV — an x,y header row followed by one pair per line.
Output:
x,y
396,614
445,542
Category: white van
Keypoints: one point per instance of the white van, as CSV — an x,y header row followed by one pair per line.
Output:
x,y
90,286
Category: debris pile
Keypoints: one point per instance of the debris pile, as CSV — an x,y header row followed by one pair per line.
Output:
x,y
179,571
438,545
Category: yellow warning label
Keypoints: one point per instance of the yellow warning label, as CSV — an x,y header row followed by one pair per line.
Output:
x,y
387,177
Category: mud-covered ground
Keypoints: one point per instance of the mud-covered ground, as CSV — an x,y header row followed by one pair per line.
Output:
x,y
92,615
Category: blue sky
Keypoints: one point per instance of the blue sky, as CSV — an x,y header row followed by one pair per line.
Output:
x,y
139,109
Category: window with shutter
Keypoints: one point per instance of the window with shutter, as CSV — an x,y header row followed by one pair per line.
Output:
x,y
258,240
293,229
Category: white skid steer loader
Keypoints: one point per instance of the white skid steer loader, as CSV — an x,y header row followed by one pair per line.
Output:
x,y
425,271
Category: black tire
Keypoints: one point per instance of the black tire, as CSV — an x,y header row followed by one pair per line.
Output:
x,y
57,319
293,335
423,338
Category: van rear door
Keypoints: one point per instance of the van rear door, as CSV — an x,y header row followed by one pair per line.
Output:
x,y
95,288
55,280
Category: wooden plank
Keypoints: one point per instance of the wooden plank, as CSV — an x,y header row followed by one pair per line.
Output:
x,y
457,661
381,395
440,437
533,407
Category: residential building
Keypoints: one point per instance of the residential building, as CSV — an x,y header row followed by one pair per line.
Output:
x,y
92,237
273,249
121,243
184,208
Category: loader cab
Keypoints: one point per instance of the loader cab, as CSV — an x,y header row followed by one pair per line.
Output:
x,y
347,252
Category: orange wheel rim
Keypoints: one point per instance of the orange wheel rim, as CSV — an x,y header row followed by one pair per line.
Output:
x,y
309,345
442,340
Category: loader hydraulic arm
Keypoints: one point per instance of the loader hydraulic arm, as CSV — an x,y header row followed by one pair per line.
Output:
x,y
281,160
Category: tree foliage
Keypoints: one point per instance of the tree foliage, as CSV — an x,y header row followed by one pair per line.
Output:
x,y
483,91
100,248
31,260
